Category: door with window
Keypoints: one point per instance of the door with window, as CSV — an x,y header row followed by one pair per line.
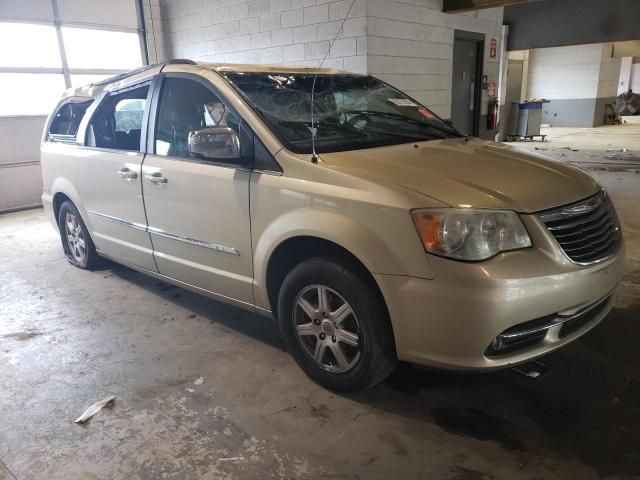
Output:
x,y
110,169
196,193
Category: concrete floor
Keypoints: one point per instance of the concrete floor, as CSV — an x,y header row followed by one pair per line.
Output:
x,y
70,337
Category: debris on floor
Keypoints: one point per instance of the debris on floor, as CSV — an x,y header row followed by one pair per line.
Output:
x,y
95,408
199,381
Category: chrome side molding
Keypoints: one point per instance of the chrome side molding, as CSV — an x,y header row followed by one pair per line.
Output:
x,y
200,243
161,233
119,221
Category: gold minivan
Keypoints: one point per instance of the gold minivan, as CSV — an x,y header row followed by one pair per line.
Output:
x,y
365,224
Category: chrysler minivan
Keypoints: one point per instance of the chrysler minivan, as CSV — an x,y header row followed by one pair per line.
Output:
x,y
365,224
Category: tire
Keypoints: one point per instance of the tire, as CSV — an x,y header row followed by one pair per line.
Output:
x,y
360,331
76,241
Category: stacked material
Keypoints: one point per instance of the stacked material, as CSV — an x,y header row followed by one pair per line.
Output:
x,y
628,104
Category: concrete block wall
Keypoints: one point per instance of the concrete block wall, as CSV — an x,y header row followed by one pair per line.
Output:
x,y
156,45
579,80
408,43
267,31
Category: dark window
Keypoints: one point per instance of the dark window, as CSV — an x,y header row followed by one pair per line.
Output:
x,y
64,125
186,106
118,123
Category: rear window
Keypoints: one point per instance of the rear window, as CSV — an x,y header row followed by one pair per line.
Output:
x,y
64,125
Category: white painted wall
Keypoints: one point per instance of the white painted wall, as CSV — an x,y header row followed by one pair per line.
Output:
x,y
609,76
564,72
625,74
634,81
574,72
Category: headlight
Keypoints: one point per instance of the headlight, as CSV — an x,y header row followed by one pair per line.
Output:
x,y
466,234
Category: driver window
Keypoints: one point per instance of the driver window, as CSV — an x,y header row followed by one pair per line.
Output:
x,y
187,106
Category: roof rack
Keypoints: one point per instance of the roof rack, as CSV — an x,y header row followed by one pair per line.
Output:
x,y
122,76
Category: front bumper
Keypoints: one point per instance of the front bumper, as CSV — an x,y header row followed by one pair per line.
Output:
x,y
451,320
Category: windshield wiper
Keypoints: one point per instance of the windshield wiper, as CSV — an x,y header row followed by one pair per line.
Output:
x,y
397,116
376,113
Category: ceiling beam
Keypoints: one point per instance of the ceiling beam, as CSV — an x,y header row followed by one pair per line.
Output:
x,y
454,6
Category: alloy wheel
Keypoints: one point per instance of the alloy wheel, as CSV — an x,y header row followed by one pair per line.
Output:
x,y
75,238
327,328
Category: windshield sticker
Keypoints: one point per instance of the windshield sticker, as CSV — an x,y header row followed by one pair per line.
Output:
x,y
425,113
402,102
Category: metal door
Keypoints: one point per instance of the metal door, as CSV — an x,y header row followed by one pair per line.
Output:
x,y
197,211
108,176
465,101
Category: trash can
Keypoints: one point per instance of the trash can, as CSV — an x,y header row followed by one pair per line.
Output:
x,y
529,119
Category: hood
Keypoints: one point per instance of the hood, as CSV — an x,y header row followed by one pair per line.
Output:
x,y
470,173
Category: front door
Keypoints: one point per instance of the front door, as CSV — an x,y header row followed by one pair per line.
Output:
x,y
110,168
465,99
197,210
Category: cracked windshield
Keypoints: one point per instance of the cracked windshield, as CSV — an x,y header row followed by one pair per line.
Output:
x,y
350,111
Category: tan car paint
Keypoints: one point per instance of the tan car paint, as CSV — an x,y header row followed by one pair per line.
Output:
x,y
470,173
207,203
443,312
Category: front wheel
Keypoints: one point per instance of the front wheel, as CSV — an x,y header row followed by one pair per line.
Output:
x,y
336,325
76,242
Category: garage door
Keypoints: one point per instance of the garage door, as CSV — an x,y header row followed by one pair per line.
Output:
x,y
57,44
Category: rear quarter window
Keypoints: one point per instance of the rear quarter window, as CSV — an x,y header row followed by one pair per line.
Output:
x,y
65,122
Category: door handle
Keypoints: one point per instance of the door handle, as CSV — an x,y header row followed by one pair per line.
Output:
x,y
472,94
155,177
127,174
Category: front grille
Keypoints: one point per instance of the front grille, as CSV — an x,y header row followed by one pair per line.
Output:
x,y
587,231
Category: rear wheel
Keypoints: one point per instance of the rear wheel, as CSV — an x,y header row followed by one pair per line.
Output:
x,y
335,325
76,242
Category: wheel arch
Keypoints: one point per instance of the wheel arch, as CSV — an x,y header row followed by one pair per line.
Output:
x,y
58,199
62,190
309,232
297,249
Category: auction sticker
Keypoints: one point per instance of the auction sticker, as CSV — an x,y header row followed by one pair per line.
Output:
x,y
402,102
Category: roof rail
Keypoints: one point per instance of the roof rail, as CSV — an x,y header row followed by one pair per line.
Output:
x,y
180,61
122,76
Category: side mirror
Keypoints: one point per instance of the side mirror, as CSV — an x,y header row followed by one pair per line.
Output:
x,y
220,144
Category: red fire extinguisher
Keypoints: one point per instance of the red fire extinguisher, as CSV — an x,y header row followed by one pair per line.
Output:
x,y
492,114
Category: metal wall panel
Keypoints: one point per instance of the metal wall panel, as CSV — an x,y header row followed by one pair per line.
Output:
x,y
32,10
118,13
20,179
